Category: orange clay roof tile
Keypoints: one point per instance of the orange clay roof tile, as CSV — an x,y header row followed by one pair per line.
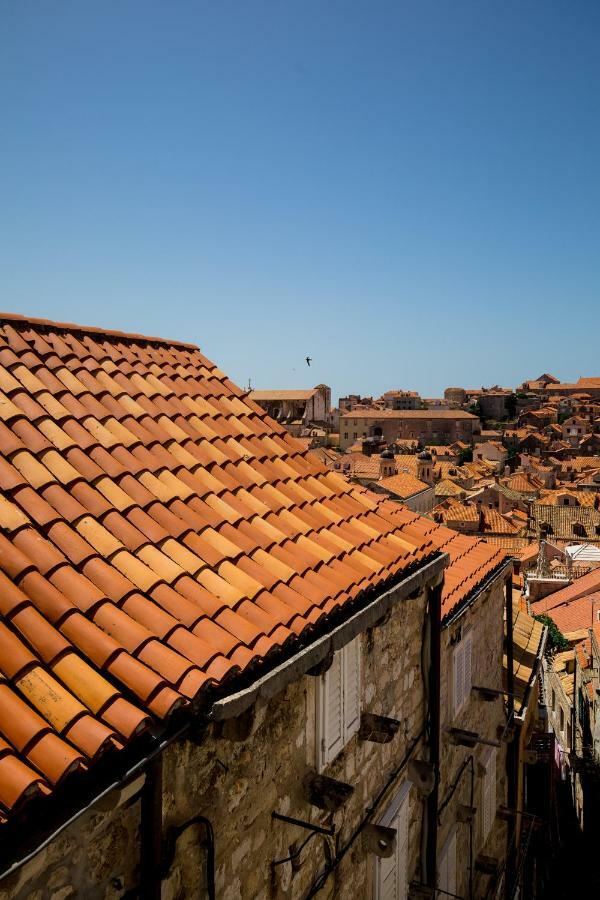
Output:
x,y
160,535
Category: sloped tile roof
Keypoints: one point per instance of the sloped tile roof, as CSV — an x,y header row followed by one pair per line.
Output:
x,y
523,483
582,587
447,488
162,537
572,615
451,510
403,484
527,645
555,497
566,522
282,395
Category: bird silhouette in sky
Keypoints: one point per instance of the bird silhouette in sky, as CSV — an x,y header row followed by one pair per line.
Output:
x,y
308,360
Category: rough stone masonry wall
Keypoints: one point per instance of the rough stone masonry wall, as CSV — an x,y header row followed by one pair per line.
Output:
x,y
485,619
96,858
238,784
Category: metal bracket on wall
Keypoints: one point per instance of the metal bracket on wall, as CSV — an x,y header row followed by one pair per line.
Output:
x,y
310,826
468,738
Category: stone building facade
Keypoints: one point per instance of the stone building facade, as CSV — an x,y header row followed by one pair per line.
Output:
x,y
237,782
478,839
236,773
296,409
429,426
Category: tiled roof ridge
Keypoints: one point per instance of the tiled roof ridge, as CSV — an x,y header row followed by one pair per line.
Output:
x,y
69,327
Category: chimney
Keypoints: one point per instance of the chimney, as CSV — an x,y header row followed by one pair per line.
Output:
x,y
506,471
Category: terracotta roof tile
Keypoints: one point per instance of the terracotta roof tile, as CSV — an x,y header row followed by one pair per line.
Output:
x,y
160,535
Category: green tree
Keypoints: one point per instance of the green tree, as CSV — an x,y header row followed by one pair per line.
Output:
x,y
556,639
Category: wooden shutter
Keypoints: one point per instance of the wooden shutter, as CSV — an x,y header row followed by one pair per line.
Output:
x,y
391,874
458,678
332,713
351,655
446,879
488,800
462,672
491,776
388,879
402,850
468,646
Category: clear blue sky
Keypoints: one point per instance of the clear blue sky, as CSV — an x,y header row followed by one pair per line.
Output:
x,y
408,192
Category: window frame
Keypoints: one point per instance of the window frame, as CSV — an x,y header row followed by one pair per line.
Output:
x,y
400,806
460,690
488,795
349,718
449,848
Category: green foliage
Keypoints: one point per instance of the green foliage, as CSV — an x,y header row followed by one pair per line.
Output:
x,y
475,408
465,455
562,417
556,639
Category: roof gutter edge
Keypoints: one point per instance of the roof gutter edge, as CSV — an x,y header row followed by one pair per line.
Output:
x,y
278,678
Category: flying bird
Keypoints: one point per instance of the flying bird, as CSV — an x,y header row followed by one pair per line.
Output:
x,y
308,360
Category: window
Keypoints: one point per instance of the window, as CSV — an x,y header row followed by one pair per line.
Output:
x,y
562,720
446,875
553,700
345,435
391,876
355,435
338,703
461,676
488,795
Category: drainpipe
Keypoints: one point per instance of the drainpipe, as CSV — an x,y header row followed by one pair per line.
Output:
x,y
512,753
151,831
431,812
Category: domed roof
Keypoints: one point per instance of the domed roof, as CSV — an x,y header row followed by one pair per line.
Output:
x,y
425,454
386,454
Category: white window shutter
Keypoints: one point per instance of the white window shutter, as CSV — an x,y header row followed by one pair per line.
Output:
x,y
351,688
485,809
492,790
467,667
388,879
332,718
391,873
402,850
458,660
488,800
446,878
452,866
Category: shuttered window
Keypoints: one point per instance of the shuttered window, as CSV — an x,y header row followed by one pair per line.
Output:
x,y
488,795
446,878
461,675
391,875
339,702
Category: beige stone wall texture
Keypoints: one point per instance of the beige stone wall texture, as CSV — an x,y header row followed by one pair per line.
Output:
x,y
237,785
485,619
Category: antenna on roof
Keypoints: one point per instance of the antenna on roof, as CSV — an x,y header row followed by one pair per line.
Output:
x,y
249,385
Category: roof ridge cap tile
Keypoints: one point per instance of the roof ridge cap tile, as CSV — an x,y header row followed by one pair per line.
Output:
x,y
112,334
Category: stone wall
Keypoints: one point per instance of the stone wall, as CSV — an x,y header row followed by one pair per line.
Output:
x,y
96,858
486,619
237,785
